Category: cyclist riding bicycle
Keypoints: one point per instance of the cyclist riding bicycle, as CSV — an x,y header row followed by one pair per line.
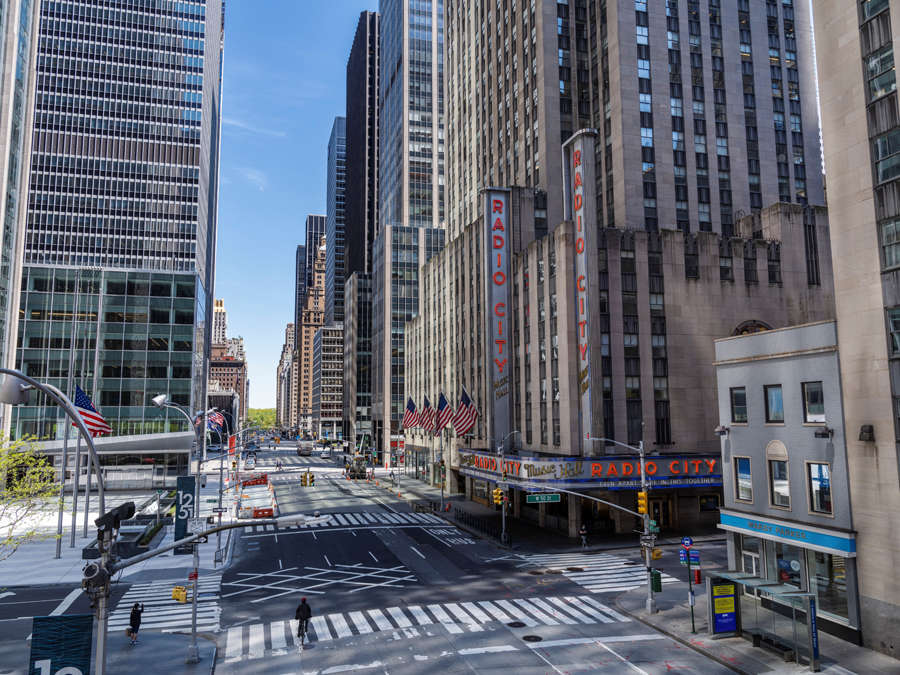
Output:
x,y
303,615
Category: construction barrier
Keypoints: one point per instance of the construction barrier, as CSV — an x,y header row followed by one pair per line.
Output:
x,y
263,512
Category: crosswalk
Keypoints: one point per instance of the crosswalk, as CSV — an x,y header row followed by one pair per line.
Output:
x,y
596,572
259,640
358,519
163,613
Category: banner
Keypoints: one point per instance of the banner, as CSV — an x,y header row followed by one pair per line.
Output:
x,y
232,444
184,510
496,284
61,644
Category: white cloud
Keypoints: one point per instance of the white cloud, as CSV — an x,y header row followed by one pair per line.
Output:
x,y
254,177
245,126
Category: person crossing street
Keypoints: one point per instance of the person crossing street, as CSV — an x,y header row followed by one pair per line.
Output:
x,y
303,615
135,621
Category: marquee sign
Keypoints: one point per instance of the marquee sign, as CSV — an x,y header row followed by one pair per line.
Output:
x,y
578,167
612,472
496,282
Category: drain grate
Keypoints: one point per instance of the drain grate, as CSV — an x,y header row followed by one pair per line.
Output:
x,y
536,573
574,569
532,638
516,624
554,571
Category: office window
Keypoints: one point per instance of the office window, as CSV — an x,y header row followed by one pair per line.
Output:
x,y
739,405
880,72
774,404
819,477
743,482
894,326
890,243
779,486
813,402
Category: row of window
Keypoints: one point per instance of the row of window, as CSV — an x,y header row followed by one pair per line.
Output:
x,y
818,484
813,402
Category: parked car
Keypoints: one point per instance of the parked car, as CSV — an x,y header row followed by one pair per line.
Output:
x,y
250,463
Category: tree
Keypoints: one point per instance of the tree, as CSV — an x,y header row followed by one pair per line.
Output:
x,y
28,487
263,417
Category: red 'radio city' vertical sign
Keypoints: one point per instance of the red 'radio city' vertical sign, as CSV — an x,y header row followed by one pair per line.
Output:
x,y
578,162
497,310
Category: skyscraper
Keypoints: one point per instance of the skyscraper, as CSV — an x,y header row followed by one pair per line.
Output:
x,y
861,138
315,230
312,318
299,281
18,25
220,323
334,223
119,246
361,221
410,188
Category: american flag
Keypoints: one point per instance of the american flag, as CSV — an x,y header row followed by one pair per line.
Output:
x,y
410,417
444,413
426,417
93,420
217,418
464,419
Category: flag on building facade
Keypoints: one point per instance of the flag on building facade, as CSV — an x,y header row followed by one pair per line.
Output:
x,y
93,420
426,417
464,419
444,413
218,419
410,417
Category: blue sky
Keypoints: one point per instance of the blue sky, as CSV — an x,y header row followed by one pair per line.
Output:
x,y
285,76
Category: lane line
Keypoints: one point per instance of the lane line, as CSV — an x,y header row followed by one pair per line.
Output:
x,y
359,620
340,625
464,618
280,566
380,619
517,614
417,551
276,634
234,644
256,646
327,561
419,615
442,617
321,628
399,618
585,641
66,602
373,556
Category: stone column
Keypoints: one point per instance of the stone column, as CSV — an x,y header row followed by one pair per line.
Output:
x,y
574,515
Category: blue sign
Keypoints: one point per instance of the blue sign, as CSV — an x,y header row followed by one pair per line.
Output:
x,y
184,510
683,556
62,644
724,598
837,542
814,629
687,542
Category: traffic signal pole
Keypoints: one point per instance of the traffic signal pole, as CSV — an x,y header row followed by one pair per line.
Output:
x,y
648,536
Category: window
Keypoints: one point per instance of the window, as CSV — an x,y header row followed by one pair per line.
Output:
x,y
894,326
789,564
743,481
819,476
738,405
813,402
779,485
890,243
886,152
828,580
774,404
871,7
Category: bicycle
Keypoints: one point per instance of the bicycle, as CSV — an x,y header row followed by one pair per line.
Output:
x,y
301,631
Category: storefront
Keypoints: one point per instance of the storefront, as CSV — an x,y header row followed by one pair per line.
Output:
x,y
684,489
817,560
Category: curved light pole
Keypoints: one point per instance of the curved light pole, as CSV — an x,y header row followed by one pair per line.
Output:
x,y
18,397
503,473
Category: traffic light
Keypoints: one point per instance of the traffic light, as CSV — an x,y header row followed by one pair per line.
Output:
x,y
642,502
498,496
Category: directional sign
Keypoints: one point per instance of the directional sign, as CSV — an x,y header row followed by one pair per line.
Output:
x,y
683,557
542,499
220,509
687,542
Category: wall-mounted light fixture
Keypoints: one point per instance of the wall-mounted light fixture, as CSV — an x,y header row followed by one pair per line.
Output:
x,y
722,431
824,432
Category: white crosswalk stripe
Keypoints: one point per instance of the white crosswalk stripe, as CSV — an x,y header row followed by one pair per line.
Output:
x,y
163,613
260,640
596,572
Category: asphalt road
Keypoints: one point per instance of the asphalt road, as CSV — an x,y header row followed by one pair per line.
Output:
x,y
400,592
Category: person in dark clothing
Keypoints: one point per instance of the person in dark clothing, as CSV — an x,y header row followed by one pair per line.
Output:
x,y
135,620
303,615
583,533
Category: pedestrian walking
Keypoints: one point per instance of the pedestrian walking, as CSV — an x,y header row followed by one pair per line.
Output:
x,y
134,621
303,615
583,533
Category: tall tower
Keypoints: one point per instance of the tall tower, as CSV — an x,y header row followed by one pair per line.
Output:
x,y
122,213
861,137
334,223
220,323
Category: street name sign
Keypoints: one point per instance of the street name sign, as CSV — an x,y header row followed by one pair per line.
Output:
x,y
542,498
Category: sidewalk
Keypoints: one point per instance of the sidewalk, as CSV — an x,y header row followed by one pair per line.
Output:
x,y
158,653
674,619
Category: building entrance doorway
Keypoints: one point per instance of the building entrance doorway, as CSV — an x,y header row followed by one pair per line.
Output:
x,y
660,512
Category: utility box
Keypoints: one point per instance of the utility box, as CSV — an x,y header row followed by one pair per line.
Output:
x,y
656,581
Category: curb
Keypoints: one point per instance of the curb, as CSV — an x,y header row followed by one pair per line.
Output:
x,y
683,641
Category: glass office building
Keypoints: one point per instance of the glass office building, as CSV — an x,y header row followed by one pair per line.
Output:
x,y
121,220
334,222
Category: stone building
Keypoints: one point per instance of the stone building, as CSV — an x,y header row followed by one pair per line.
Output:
x,y
312,318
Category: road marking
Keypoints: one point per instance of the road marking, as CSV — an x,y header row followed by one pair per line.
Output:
x,y
493,649
445,619
496,612
603,608
418,552
276,633
8,593
257,645
338,517
517,613
373,556
463,617
476,612
543,618
359,620
589,610
583,618
380,620
622,658
327,561
235,644
64,605
586,641
340,625
322,632
352,519
399,617
419,614
280,566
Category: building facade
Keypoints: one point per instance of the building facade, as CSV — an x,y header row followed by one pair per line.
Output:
x,y
220,323
362,146
312,319
327,384
787,507
299,282
283,380
228,368
18,27
334,222
357,391
860,116
124,180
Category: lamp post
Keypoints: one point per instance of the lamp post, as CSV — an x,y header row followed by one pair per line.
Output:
x,y
14,392
647,539
162,401
503,476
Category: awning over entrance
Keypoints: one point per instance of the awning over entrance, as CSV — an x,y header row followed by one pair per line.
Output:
x,y
815,538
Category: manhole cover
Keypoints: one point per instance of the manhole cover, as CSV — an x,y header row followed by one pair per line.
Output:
x,y
532,638
574,569
554,571
537,573
516,624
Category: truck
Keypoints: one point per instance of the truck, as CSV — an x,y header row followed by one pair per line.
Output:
x,y
304,449
357,468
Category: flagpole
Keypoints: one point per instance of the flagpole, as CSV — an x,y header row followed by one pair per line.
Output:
x,y
87,482
77,482
65,450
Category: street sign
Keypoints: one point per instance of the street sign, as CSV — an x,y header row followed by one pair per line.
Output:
x,y
211,500
542,499
196,525
687,542
683,557
220,509
184,509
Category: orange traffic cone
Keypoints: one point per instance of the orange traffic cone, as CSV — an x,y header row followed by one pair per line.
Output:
x,y
376,483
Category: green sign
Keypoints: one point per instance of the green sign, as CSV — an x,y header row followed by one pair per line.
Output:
x,y
541,499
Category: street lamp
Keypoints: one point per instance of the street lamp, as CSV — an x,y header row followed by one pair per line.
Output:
x,y
503,476
647,539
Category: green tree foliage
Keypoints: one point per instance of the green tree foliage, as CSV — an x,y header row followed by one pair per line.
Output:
x,y
263,417
28,487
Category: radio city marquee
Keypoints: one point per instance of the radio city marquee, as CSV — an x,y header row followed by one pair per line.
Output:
x,y
496,246
612,473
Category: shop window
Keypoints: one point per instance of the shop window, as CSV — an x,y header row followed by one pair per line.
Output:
x,y
779,485
819,476
813,402
738,405
743,481
774,404
828,580
789,564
